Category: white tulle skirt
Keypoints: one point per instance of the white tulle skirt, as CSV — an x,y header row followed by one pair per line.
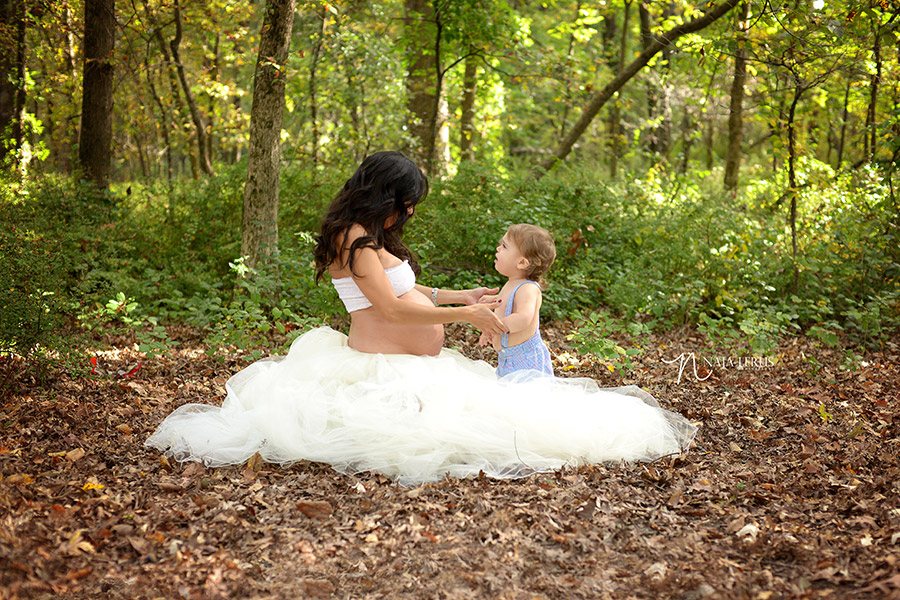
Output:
x,y
416,418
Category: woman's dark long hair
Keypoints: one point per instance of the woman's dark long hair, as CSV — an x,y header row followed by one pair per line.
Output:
x,y
385,184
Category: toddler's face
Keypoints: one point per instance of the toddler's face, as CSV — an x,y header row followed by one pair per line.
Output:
x,y
508,257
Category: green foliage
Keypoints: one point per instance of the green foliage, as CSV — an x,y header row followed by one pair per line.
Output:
x,y
663,248
51,228
658,251
592,335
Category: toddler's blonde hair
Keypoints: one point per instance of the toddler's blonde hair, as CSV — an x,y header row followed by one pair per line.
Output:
x,y
536,245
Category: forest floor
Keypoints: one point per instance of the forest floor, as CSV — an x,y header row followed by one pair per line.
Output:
x,y
790,490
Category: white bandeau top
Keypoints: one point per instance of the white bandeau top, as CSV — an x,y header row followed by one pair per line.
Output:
x,y
401,277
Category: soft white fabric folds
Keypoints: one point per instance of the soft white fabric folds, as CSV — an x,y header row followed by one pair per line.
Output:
x,y
416,418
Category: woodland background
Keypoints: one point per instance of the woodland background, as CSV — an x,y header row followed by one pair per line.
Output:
x,y
719,179
732,169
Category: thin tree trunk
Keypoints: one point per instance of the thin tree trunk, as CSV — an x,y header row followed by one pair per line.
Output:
x,y
196,116
313,100
615,116
172,78
652,87
686,140
709,133
12,79
438,135
467,119
259,234
601,97
565,116
710,145
870,139
164,125
211,111
736,110
844,116
94,147
792,179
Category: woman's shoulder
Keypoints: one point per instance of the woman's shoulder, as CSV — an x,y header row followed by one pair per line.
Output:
x,y
351,234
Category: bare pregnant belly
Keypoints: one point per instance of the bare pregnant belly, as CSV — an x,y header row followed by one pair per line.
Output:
x,y
369,332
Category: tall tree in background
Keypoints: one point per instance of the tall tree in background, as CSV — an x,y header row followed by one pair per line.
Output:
x,y
601,97
467,130
322,14
422,90
95,141
12,76
200,125
259,237
659,111
736,112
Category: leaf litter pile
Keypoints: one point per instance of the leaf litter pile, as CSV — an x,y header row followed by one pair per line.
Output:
x,y
790,490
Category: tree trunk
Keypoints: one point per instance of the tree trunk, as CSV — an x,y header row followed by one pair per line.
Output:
x,y
164,125
313,101
615,117
870,138
652,83
69,127
659,109
171,77
563,122
259,239
467,120
94,147
792,178
12,79
687,140
844,116
421,90
601,97
736,111
196,116
212,101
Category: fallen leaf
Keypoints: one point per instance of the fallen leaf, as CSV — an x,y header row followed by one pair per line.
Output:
x,y
168,486
748,532
75,455
317,588
315,510
19,479
656,570
79,574
139,544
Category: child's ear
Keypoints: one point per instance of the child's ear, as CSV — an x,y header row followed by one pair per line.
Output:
x,y
524,263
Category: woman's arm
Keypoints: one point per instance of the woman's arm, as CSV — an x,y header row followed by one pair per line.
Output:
x,y
458,296
373,282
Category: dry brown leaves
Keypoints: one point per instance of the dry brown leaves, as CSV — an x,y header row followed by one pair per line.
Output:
x,y
791,490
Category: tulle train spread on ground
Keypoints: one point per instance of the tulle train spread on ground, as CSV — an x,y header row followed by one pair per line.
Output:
x,y
416,418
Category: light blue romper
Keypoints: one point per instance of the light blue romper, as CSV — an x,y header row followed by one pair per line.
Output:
x,y
531,355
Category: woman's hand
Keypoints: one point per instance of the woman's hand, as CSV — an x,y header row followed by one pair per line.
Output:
x,y
475,295
483,317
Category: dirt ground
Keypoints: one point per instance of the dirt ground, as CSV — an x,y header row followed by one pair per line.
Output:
x,y
790,490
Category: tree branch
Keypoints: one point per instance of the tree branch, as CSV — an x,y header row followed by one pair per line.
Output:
x,y
602,96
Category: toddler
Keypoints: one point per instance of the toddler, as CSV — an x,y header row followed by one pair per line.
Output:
x,y
524,255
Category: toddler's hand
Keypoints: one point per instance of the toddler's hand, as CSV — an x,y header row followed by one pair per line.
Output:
x,y
474,296
491,300
485,339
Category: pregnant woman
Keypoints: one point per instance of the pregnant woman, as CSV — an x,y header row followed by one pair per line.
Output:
x,y
388,397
